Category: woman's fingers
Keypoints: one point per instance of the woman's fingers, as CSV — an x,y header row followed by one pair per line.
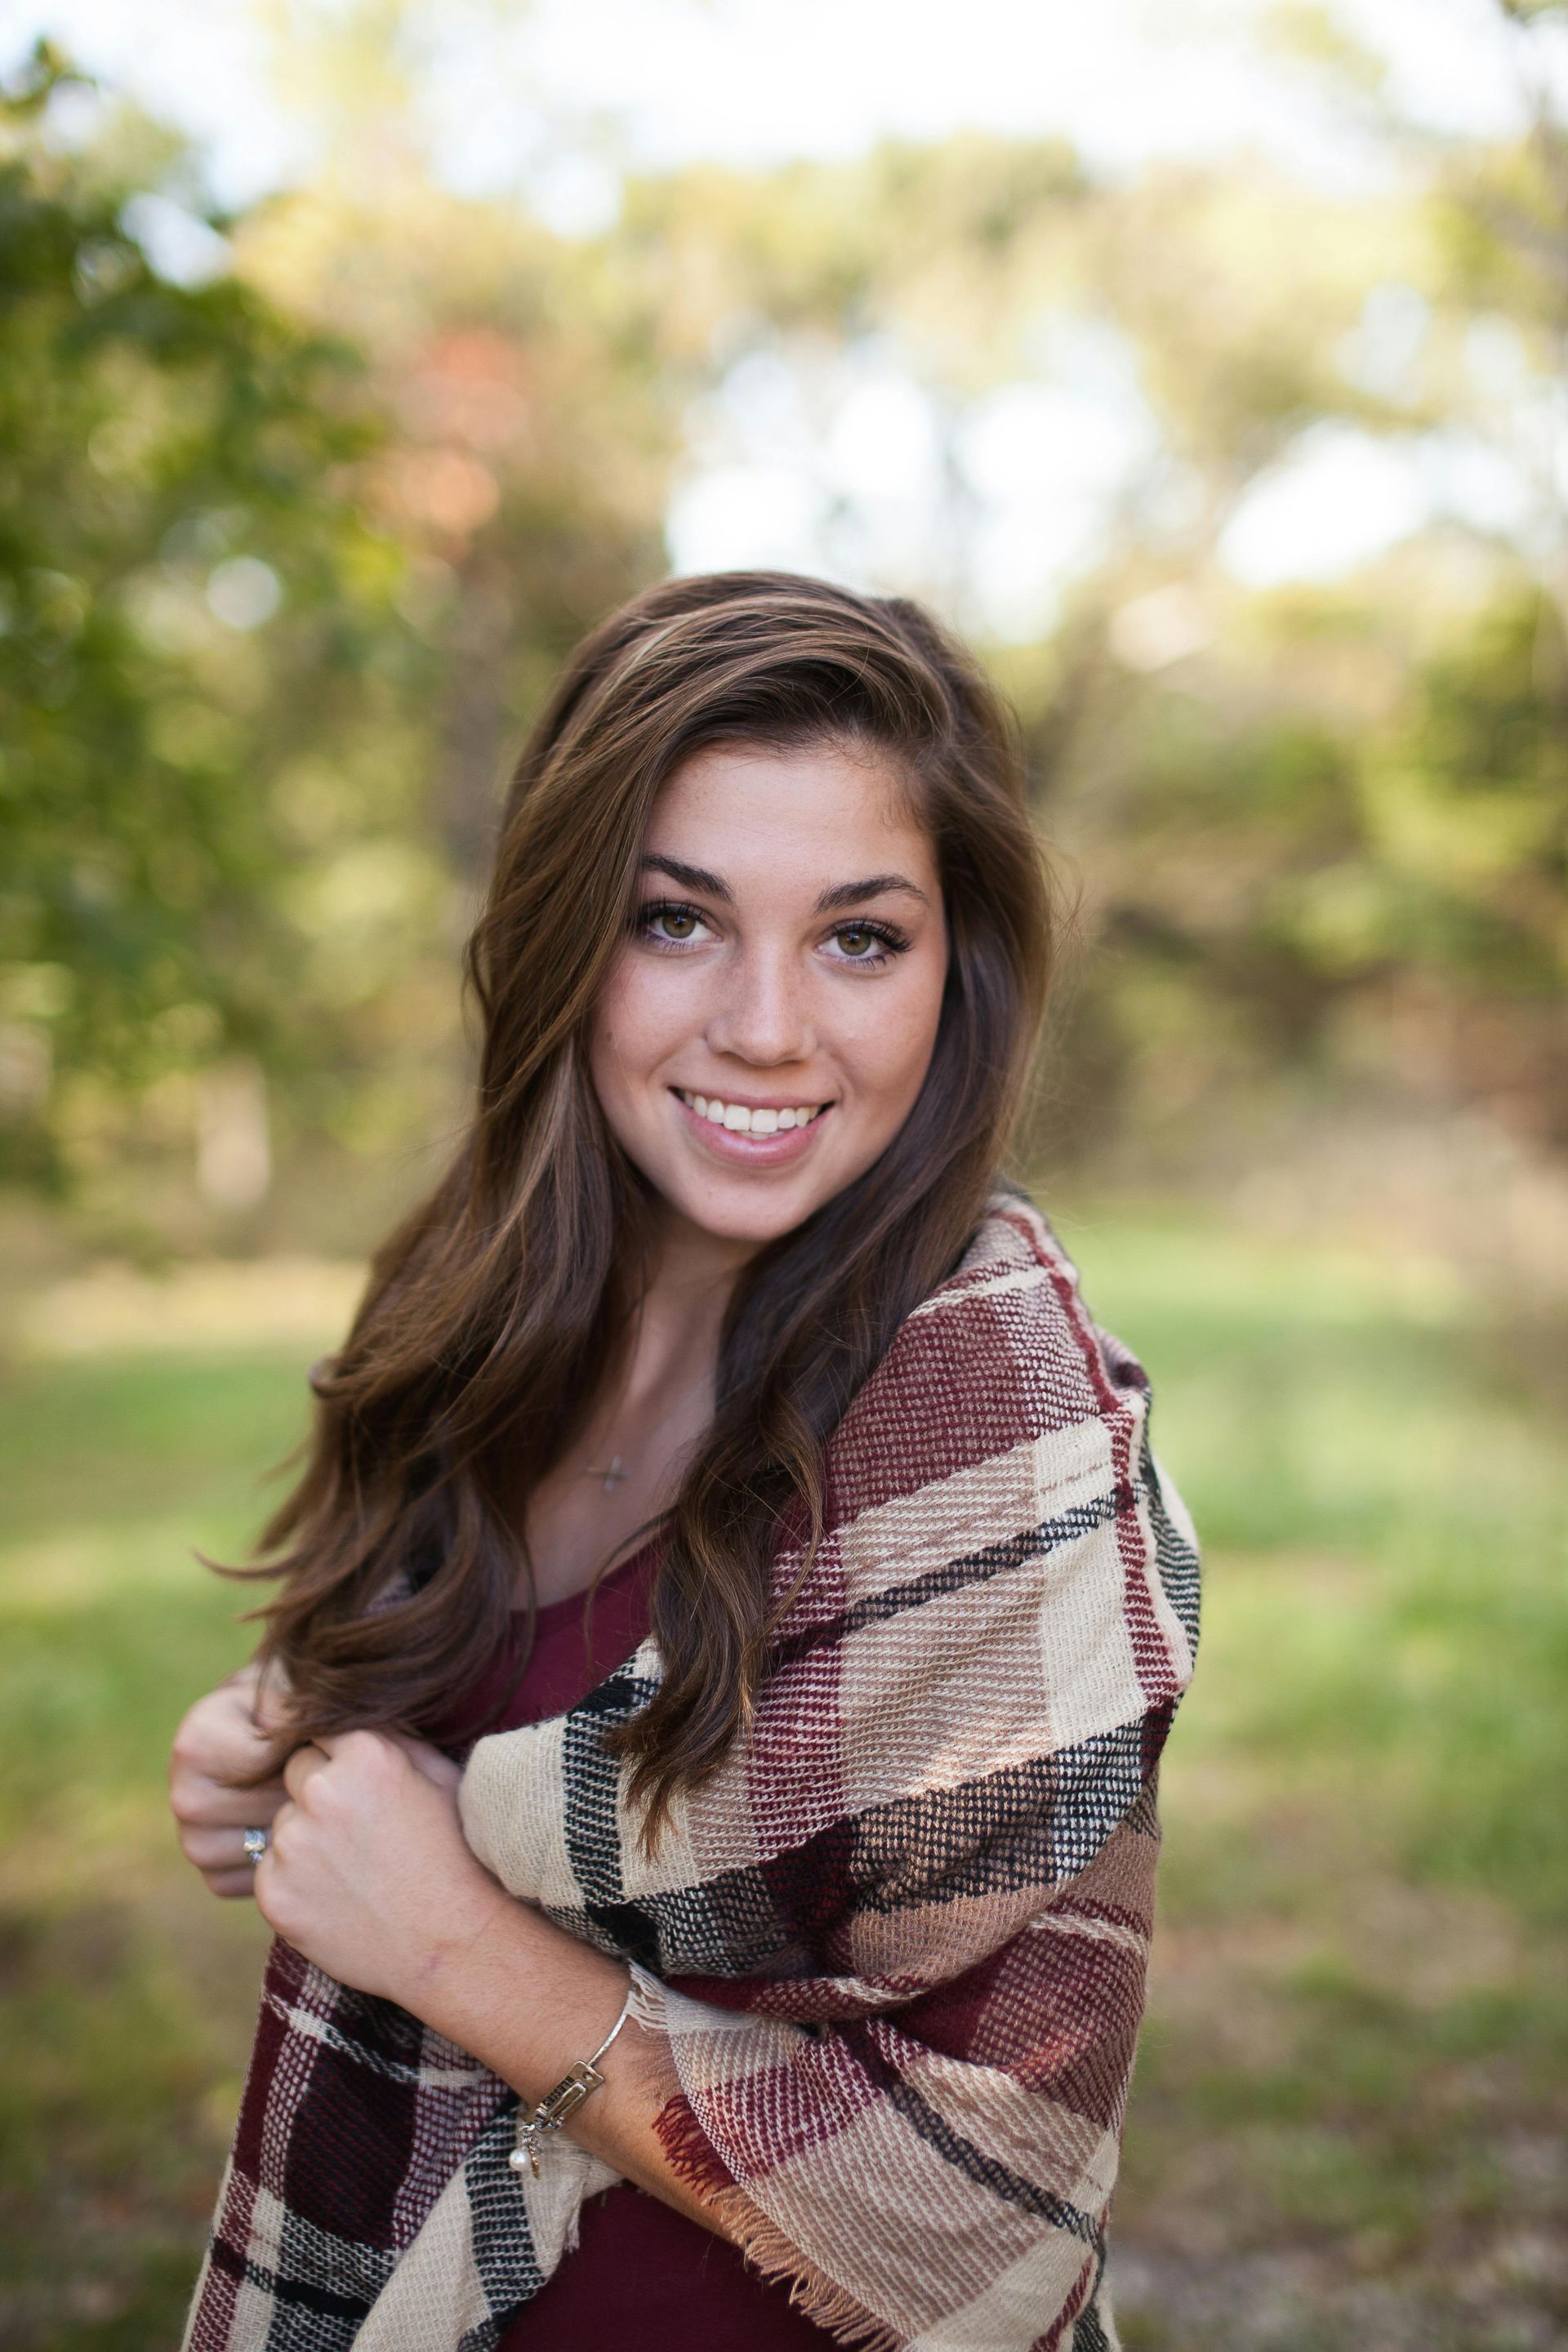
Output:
x,y
199,1802
219,1743
220,1739
220,1856
301,1766
212,1850
231,1885
433,1762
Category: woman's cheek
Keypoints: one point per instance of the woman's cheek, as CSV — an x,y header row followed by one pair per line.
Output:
x,y
887,1052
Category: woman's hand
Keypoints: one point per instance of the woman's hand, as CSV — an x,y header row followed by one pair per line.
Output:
x,y
223,1736
369,1876
368,1873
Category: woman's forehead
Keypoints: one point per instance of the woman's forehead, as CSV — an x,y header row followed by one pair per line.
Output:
x,y
808,804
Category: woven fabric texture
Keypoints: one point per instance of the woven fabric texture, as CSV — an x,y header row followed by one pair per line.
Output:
x,y
894,1952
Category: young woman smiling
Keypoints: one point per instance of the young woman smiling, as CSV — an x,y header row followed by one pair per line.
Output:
x,y
700,1764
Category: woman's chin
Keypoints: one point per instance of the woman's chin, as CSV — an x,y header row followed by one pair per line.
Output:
x,y
746,1210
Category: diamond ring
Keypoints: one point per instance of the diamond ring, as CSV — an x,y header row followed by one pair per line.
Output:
x,y
254,1844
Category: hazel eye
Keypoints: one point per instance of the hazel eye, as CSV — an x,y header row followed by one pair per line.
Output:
x,y
668,923
857,940
869,946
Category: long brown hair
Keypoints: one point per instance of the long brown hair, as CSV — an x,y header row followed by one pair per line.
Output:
x,y
491,1315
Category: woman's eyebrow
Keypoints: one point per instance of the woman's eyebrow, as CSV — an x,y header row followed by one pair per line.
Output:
x,y
849,893
843,894
691,877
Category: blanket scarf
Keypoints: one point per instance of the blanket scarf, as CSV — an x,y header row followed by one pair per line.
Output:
x,y
894,1951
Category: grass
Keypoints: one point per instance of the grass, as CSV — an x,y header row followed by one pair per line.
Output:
x,y
1348,2118
126,1994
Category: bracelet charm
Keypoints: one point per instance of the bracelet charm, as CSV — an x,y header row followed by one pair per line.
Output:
x,y
580,2078
552,2113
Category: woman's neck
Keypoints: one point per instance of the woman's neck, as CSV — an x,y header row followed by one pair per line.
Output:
x,y
623,1466
674,1338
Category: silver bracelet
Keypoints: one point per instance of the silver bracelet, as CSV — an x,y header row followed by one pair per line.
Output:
x,y
565,2099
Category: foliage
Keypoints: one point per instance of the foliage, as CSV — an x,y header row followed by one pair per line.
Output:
x,y
193,604
1289,855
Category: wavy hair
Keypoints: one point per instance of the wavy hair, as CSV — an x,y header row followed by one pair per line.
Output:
x,y
492,1314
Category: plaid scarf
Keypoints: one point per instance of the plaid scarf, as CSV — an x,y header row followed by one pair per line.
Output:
x,y
894,1951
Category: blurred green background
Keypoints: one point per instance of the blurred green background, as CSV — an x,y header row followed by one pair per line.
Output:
x,y
1243,457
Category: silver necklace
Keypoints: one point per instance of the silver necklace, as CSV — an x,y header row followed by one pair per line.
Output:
x,y
612,1474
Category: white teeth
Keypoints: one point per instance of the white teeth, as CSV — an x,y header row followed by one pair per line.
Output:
x,y
742,1121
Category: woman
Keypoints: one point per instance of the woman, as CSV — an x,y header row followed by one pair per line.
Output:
x,y
724,1464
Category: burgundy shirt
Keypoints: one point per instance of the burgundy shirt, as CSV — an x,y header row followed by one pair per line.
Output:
x,y
642,2277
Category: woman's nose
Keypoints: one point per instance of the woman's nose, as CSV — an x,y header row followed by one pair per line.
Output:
x,y
761,1014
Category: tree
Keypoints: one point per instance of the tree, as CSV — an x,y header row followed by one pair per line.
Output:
x,y
190,593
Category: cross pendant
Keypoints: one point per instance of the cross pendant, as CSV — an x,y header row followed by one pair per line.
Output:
x,y
612,1476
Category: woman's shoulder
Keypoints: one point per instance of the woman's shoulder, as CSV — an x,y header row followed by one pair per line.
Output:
x,y
1006,1334
994,1474
1001,1363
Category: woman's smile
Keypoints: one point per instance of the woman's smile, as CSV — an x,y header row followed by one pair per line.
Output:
x,y
747,1133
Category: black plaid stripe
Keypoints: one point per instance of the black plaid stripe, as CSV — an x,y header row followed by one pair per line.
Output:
x,y
956,2147
508,2267
1175,1562
318,2270
742,1927
1033,1824
1089,2333
954,1575
729,1926
1097,1784
592,1784
299,2319
1030,1827
319,2292
592,1823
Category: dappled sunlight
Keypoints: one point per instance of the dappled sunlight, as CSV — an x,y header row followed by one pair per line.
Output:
x,y
240,1304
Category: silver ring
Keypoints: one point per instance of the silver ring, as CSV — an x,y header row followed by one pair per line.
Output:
x,y
254,1844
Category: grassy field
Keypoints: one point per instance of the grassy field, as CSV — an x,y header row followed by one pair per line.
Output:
x,y
1349,2117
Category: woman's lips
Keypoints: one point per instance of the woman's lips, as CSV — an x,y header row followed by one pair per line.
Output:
x,y
743,1151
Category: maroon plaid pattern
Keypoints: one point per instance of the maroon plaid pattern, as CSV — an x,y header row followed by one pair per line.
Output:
x,y
894,1951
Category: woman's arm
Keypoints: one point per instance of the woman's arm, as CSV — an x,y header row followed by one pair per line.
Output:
x,y
370,1876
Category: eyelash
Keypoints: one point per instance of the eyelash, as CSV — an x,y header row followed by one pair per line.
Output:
x,y
894,941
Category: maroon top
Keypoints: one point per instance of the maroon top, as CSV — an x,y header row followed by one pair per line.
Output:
x,y
643,2277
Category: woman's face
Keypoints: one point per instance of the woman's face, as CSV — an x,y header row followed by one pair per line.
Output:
x,y
768,1024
